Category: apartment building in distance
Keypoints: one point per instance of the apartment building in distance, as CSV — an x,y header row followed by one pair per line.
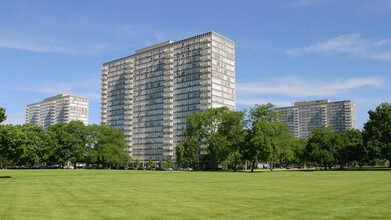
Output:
x,y
148,94
57,109
304,116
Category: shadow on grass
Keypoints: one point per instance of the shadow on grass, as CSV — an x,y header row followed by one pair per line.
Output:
x,y
348,169
5,177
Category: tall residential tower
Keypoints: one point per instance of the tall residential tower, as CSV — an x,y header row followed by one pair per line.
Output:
x,y
148,94
303,117
57,109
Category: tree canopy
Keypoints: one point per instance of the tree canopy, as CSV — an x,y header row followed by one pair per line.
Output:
x,y
3,117
377,132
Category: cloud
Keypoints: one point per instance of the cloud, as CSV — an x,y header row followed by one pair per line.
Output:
x,y
82,87
307,3
352,44
43,43
290,87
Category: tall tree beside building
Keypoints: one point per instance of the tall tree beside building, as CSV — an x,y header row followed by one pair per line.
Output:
x,y
377,132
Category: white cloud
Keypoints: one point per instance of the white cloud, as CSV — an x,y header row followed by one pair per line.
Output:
x,y
82,87
352,44
300,88
307,3
44,43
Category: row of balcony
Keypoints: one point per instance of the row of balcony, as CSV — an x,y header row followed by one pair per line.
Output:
x,y
169,78
168,60
169,66
206,70
206,63
206,57
206,52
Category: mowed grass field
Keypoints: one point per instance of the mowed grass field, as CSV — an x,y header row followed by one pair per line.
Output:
x,y
122,194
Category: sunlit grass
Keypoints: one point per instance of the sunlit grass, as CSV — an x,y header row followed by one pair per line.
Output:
x,y
112,194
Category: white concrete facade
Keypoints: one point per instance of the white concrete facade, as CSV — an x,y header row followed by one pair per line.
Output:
x,y
148,94
57,109
303,117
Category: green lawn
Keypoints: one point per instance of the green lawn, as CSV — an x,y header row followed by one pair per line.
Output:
x,y
112,194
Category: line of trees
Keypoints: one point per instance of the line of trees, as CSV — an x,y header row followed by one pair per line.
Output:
x,y
62,143
224,137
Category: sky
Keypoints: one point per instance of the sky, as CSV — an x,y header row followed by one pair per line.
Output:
x,y
286,51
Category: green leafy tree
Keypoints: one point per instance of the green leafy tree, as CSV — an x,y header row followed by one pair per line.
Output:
x,y
355,150
151,164
137,163
70,142
299,151
284,148
259,142
3,117
12,142
188,152
320,146
160,163
377,133
232,128
170,163
38,140
262,138
109,146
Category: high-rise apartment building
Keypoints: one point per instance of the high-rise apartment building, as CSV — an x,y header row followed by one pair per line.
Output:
x,y
303,117
148,94
57,109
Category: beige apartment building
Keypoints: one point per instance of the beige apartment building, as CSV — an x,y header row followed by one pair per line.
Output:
x,y
57,109
304,116
148,94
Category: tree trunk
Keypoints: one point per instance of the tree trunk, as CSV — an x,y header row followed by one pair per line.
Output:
x,y
325,166
252,166
271,166
389,162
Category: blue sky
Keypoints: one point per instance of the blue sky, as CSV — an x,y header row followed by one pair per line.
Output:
x,y
286,51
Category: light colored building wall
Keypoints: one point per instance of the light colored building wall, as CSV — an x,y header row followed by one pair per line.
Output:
x,y
148,94
57,109
303,117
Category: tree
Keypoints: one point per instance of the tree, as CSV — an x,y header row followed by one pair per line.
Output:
x,y
284,151
232,127
137,163
320,146
109,146
151,164
160,163
377,132
262,137
12,142
299,151
170,163
38,140
259,142
355,150
188,152
70,142
3,117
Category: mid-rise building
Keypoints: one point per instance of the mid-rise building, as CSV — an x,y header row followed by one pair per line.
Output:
x,y
304,116
148,94
57,109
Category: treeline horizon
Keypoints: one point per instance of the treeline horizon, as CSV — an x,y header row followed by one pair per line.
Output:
x,y
232,138
215,136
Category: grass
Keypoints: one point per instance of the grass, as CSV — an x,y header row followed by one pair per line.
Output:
x,y
112,194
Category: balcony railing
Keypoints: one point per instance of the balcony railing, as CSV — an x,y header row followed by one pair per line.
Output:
x,y
206,63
